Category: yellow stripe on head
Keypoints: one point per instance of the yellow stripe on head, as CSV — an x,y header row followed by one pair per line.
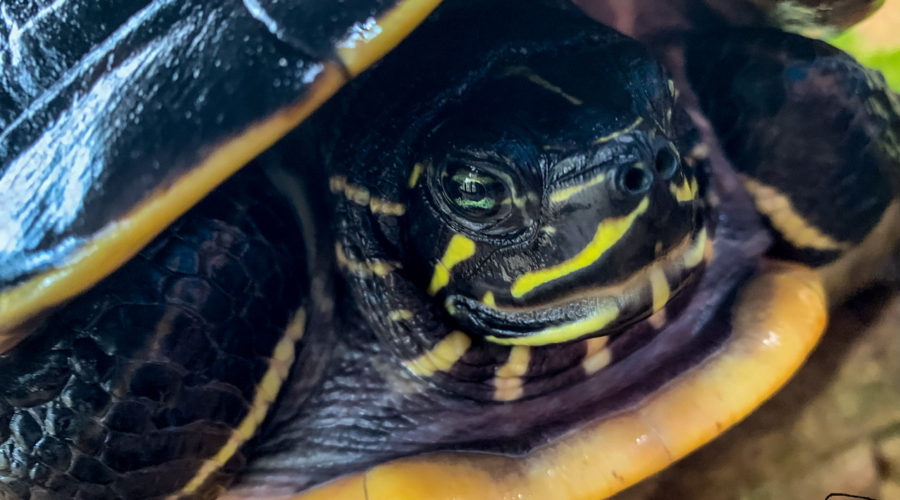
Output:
x,y
564,194
459,249
682,192
540,81
609,232
566,332
618,133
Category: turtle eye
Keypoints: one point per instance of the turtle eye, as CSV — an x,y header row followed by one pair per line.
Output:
x,y
474,193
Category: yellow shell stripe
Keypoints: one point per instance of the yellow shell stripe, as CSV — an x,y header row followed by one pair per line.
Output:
x,y
459,249
120,240
442,356
359,52
609,231
266,392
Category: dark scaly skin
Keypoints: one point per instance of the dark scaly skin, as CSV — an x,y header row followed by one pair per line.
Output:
x,y
408,414
146,376
768,82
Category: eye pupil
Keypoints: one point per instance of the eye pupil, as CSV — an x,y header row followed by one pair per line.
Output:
x,y
472,187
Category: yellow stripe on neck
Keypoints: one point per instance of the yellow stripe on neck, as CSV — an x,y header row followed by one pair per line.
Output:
x,y
442,356
267,389
459,249
508,383
659,286
787,220
609,232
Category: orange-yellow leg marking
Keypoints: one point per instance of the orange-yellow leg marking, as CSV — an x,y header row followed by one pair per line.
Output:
x,y
778,319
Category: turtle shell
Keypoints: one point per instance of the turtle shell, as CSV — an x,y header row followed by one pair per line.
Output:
x,y
115,119
119,116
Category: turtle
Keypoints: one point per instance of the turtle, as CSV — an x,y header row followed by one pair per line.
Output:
x,y
517,256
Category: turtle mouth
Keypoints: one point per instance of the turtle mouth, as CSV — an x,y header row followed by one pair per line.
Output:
x,y
588,313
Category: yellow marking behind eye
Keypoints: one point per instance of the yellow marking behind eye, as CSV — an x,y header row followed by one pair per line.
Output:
x,y
417,170
627,130
400,315
561,195
659,286
548,229
609,232
361,196
364,268
538,80
601,318
488,299
442,356
459,249
792,226
266,392
682,192
379,206
508,380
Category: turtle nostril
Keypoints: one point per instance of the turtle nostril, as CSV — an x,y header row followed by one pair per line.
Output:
x,y
635,179
666,163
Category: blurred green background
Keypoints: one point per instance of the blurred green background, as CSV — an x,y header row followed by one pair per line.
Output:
x,y
876,42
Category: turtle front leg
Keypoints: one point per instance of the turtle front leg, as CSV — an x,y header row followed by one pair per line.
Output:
x,y
815,137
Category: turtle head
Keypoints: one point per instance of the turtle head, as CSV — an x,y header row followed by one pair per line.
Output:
x,y
557,207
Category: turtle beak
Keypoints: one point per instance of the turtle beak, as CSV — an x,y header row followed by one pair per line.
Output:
x,y
776,320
